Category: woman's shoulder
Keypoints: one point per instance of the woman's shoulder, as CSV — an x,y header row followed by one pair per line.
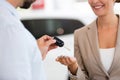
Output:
x,y
85,28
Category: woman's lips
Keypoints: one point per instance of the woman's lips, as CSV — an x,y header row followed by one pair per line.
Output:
x,y
96,7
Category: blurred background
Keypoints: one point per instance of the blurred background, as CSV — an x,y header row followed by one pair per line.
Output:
x,y
58,18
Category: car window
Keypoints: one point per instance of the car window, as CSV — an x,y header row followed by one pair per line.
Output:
x,y
52,27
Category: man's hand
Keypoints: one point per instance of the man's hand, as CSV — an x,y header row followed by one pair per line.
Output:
x,y
45,44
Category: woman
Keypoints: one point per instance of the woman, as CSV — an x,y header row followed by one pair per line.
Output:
x,y
97,46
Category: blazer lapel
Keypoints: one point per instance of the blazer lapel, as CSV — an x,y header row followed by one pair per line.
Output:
x,y
116,58
93,38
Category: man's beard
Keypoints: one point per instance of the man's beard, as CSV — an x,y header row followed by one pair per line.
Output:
x,y
26,5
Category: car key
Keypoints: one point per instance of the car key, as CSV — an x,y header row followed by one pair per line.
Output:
x,y
60,43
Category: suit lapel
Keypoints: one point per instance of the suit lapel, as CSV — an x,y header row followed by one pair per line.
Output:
x,y
116,58
93,39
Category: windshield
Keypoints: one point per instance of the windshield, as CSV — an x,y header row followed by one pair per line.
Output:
x,y
52,27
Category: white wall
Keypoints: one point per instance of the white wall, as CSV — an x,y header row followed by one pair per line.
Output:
x,y
58,4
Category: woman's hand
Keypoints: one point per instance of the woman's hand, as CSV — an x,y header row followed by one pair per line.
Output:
x,y
70,62
45,44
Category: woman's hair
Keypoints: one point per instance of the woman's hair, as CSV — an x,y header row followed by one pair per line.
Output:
x,y
117,1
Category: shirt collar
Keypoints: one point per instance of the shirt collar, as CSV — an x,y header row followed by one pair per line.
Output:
x,y
11,8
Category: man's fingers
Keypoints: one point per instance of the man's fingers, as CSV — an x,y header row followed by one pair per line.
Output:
x,y
46,37
50,42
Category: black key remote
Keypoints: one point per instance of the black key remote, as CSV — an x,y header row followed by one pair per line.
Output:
x,y
59,42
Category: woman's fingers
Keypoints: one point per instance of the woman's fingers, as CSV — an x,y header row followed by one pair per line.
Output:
x,y
65,60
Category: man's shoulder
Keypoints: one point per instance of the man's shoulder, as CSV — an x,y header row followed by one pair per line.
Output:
x,y
4,14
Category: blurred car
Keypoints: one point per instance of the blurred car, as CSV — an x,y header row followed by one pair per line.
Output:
x,y
60,23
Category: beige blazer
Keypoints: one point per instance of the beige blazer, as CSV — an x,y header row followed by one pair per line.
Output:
x,y
87,54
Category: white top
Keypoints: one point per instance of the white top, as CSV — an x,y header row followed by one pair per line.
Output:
x,y
106,56
20,58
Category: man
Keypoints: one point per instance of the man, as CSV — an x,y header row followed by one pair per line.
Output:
x,y
20,54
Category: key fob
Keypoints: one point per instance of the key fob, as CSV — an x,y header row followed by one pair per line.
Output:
x,y
59,42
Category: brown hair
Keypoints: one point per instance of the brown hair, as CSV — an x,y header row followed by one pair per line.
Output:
x,y
117,1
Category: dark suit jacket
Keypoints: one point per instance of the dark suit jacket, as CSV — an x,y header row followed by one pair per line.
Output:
x,y
87,54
